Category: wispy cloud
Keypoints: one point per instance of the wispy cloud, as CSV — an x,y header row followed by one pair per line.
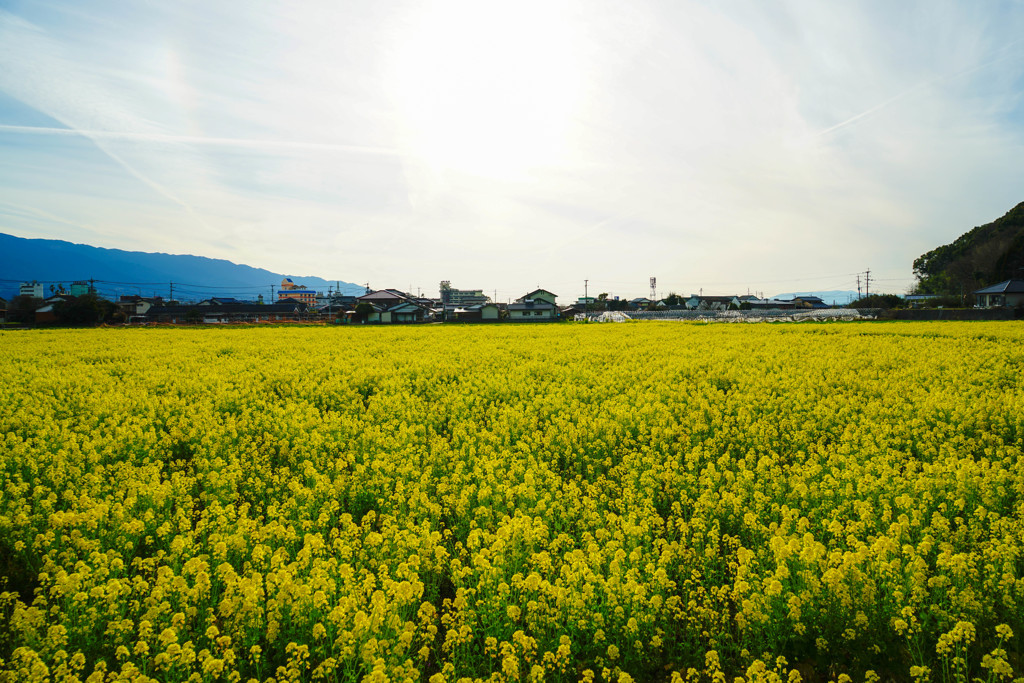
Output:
x,y
694,141
40,75
165,138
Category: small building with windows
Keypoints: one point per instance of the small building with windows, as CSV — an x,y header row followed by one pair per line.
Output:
x,y
400,312
461,297
81,288
133,304
1006,294
536,306
807,301
296,292
487,312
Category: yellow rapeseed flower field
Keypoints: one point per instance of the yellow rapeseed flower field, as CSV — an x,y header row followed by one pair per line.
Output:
x,y
636,502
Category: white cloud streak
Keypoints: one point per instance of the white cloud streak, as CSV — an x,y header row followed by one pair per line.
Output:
x,y
200,140
696,141
38,74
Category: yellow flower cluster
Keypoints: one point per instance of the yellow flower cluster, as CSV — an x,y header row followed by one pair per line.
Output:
x,y
566,503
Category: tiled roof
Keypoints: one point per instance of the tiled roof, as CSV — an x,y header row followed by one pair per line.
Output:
x,y
1006,287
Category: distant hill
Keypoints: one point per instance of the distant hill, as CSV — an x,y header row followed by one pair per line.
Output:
x,y
116,272
838,296
984,256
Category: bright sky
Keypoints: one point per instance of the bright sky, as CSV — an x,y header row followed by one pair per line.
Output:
x,y
719,145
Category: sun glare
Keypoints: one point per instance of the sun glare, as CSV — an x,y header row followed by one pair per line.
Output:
x,y
488,89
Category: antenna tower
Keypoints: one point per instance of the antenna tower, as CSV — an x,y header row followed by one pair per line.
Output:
x,y
654,289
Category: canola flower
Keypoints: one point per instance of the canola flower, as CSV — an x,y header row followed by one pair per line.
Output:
x,y
564,503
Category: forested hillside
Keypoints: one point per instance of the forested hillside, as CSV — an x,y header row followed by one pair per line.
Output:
x,y
987,254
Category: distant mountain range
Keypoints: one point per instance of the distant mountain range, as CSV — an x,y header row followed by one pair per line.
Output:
x,y
116,272
832,296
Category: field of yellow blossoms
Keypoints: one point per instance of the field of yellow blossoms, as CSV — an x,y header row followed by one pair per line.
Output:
x,y
634,502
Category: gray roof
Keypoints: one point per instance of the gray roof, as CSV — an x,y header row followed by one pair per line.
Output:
x,y
529,295
1006,287
408,305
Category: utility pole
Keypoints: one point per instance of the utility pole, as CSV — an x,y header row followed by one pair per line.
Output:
x,y
867,283
858,285
586,298
171,296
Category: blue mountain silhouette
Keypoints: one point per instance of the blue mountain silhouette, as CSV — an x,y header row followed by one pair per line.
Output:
x,y
115,272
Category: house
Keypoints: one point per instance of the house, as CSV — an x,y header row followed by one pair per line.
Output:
x,y
395,306
1006,294
401,311
47,313
3,310
224,301
409,312
384,297
539,294
487,312
134,305
536,306
336,300
809,302
641,302
570,312
377,313
335,306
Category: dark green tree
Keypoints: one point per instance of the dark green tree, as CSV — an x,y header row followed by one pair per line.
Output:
x,y
980,257
22,309
618,305
87,309
884,301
